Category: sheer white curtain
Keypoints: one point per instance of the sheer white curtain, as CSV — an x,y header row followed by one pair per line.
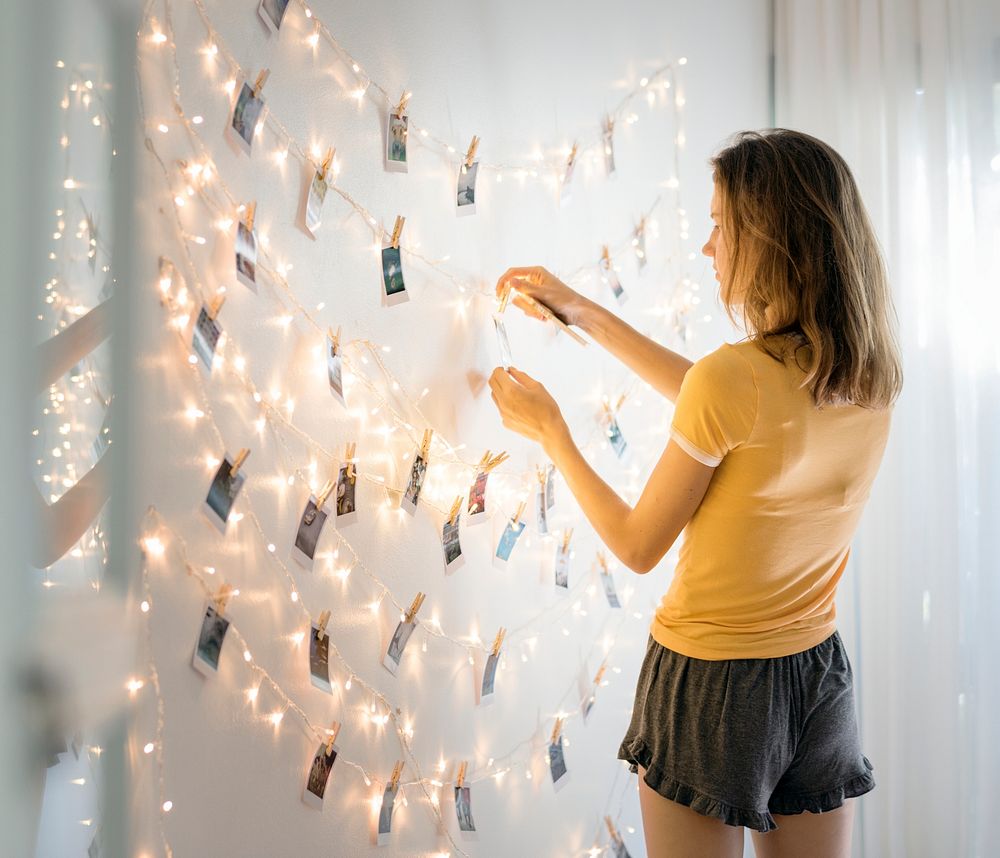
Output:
x,y
908,91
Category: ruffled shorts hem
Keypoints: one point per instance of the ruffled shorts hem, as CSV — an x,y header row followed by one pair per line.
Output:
x,y
823,802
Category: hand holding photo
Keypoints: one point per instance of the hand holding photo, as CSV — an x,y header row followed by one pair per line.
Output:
x,y
320,770
538,308
505,358
226,485
248,113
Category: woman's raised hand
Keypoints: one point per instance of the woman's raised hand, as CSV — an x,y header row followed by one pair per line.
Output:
x,y
547,289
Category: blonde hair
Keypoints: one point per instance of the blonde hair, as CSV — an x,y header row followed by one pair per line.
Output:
x,y
804,262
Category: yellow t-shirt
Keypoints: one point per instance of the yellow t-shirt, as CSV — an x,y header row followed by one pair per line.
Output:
x,y
762,555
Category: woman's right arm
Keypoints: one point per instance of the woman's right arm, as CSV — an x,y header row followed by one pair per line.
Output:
x,y
657,365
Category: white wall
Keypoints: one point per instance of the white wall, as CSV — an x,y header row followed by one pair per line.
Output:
x,y
520,75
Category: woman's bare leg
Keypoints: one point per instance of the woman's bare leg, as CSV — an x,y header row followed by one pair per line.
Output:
x,y
818,835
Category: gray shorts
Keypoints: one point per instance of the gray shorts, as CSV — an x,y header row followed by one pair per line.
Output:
x,y
744,738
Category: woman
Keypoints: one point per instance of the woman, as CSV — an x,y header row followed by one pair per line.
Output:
x,y
744,708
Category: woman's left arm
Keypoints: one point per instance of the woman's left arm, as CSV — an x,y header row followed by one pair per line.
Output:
x,y
639,536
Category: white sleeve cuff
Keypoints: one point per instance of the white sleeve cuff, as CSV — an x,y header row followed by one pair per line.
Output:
x,y
694,452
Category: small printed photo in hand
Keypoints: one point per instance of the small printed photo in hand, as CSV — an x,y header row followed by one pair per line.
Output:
x,y
308,533
392,277
319,660
453,558
205,338
335,371
319,776
314,203
466,196
489,680
615,437
209,648
562,567
385,814
248,112
396,646
505,359
557,762
346,485
507,541
272,12
477,499
609,589
463,809
223,492
396,138
246,256
418,470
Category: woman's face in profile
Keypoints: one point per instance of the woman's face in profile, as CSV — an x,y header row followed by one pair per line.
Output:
x,y
715,247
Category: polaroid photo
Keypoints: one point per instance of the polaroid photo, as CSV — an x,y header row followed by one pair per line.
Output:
x,y
587,703
346,485
562,567
246,256
314,203
213,632
319,660
557,763
335,371
476,509
615,438
618,848
248,113
396,646
223,492
505,359
418,470
609,589
507,541
271,13
542,510
396,138
385,814
466,195
319,776
610,276
392,277
608,141
307,536
463,809
453,557
207,332
488,689
550,486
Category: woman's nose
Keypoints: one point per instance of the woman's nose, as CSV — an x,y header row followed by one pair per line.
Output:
x,y
708,249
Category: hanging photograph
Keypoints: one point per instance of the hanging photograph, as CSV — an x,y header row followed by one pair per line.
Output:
x,y
222,493
463,809
557,763
209,648
335,371
476,508
205,338
542,509
507,541
615,437
385,814
418,470
248,113
562,566
453,557
308,533
346,484
608,144
610,276
392,276
639,244
609,589
396,138
246,256
319,659
396,646
587,703
489,680
319,776
314,202
272,12
466,196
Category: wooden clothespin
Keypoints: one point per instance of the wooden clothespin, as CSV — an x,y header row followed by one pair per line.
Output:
x,y
609,124
606,257
396,772
403,101
349,458
328,487
504,298
461,773
397,229
572,155
455,507
518,513
613,409
471,154
498,641
332,732
327,161
418,600
556,730
542,474
640,227
486,464
215,305
222,598
603,561
241,457
261,80
615,836
425,444
600,672
250,209
334,338
566,537
321,624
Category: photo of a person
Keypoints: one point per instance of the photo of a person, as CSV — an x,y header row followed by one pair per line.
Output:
x,y
412,494
335,371
385,814
450,540
466,194
272,12
247,115
395,142
476,507
396,646
210,640
205,338
463,809
223,492
319,660
308,533
392,276
346,484
314,203
557,760
507,541
246,256
319,776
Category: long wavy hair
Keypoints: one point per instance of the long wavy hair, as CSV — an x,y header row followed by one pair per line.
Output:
x,y
804,262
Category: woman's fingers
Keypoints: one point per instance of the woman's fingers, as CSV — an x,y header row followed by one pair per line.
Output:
x,y
530,275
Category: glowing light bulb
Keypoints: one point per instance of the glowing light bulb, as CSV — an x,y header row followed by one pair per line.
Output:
x,y
148,748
